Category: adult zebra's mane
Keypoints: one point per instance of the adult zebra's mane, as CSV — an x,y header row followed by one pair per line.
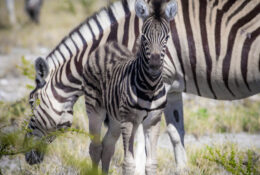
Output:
x,y
93,32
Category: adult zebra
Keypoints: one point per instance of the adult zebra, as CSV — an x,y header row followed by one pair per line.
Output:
x,y
212,52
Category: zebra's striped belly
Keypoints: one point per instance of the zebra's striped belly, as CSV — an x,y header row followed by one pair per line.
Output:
x,y
217,48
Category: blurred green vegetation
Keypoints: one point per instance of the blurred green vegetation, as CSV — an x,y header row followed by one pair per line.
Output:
x,y
57,19
240,117
213,159
233,161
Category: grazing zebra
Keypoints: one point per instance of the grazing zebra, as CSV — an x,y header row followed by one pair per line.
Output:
x,y
129,89
212,52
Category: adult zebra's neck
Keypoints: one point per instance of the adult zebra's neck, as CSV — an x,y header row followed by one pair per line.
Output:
x,y
117,22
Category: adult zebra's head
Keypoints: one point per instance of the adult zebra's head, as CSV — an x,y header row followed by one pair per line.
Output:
x,y
155,30
36,127
51,111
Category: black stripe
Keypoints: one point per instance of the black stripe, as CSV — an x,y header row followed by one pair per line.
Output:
x,y
43,120
38,123
85,45
191,43
245,53
64,42
237,10
220,14
215,3
56,95
127,21
176,41
59,83
69,74
52,122
231,39
78,65
114,26
97,60
94,98
137,32
138,107
120,50
96,40
205,44
94,88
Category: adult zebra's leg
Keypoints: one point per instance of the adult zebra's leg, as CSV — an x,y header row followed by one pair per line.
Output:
x,y
95,123
151,127
108,144
175,127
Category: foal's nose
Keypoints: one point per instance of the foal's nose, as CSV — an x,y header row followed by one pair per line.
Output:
x,y
155,61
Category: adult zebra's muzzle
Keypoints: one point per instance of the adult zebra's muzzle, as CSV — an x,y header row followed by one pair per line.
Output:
x,y
34,157
35,148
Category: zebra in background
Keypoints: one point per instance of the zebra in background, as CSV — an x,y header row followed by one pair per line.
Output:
x,y
128,89
212,52
32,8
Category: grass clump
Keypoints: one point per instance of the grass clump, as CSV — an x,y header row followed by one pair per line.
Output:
x,y
223,159
223,117
13,113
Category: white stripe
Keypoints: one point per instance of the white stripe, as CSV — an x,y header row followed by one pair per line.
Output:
x,y
94,28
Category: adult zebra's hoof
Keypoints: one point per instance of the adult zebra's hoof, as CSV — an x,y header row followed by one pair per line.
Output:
x,y
34,157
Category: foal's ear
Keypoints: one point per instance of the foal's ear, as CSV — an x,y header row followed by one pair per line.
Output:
x,y
142,9
171,10
42,70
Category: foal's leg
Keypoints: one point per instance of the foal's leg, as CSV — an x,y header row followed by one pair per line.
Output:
x,y
128,130
108,144
151,127
95,123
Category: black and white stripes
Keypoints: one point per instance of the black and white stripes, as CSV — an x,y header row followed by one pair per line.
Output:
x,y
213,51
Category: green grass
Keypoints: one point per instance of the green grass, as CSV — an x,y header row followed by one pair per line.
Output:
x,y
58,18
69,152
222,118
229,157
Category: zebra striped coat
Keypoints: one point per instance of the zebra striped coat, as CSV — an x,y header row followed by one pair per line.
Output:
x,y
212,52
212,45
116,79
129,87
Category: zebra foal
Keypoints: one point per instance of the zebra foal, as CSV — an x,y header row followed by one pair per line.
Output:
x,y
129,88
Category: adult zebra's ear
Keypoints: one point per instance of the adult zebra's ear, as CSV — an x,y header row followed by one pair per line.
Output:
x,y
141,9
171,10
42,70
